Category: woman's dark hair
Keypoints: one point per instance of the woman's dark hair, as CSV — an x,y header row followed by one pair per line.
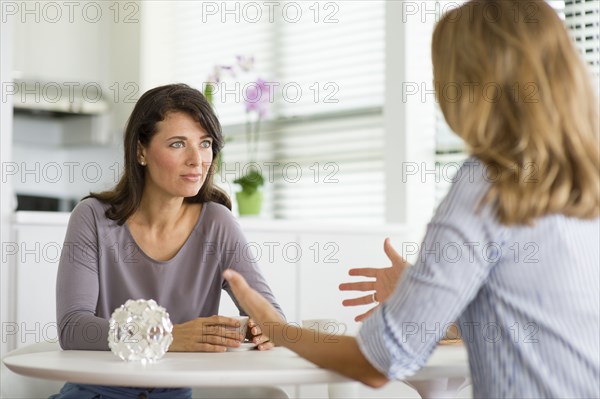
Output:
x,y
151,108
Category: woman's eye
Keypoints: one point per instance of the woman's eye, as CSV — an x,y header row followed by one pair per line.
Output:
x,y
206,144
177,144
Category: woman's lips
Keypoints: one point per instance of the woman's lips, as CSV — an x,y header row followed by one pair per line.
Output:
x,y
192,177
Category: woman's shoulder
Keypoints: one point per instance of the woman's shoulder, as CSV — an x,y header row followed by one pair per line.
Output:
x,y
90,205
218,212
471,180
91,210
468,190
217,219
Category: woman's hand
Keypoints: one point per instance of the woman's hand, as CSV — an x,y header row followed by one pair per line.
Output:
x,y
206,334
342,354
256,335
263,314
386,280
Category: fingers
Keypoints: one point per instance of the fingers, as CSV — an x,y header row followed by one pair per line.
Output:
x,y
363,271
363,300
220,331
363,316
358,286
215,340
210,348
224,321
206,343
191,346
391,252
260,339
255,330
266,346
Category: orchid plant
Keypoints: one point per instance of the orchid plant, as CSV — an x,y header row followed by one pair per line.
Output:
x,y
256,99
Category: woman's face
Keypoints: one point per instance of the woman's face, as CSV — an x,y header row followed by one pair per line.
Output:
x,y
177,158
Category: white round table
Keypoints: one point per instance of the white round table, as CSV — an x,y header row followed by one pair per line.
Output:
x,y
447,366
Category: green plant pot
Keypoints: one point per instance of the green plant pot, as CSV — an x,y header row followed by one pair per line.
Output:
x,y
249,204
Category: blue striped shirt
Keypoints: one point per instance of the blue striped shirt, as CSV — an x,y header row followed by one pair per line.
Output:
x,y
526,299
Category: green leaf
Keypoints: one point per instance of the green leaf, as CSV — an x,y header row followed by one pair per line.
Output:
x,y
251,181
208,93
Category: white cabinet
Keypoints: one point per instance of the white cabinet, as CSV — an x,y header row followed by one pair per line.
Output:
x,y
55,41
36,250
77,57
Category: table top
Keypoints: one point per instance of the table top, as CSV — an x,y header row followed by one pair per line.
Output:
x,y
252,368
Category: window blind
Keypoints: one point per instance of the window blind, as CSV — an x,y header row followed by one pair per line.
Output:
x,y
321,145
583,20
336,135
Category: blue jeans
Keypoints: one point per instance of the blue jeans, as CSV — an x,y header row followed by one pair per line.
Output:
x,y
84,391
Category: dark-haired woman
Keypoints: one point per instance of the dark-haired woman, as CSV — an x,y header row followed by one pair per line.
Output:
x,y
165,232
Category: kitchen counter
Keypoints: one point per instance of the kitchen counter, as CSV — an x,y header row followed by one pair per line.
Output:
x,y
41,218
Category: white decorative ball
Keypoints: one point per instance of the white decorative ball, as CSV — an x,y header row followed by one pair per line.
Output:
x,y
140,330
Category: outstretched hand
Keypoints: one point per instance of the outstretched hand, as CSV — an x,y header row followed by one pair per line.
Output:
x,y
256,306
383,285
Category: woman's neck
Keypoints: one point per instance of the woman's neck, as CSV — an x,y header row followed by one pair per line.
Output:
x,y
160,214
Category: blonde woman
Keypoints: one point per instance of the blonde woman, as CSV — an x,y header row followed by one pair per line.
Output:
x,y
523,217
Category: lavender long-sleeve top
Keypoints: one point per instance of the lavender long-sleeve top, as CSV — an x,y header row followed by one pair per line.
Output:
x,y
101,267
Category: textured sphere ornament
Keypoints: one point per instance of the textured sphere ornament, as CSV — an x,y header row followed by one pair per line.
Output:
x,y
140,330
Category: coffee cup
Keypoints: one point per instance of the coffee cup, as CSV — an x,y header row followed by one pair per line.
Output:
x,y
242,329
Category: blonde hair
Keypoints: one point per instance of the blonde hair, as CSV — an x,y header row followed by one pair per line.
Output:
x,y
510,82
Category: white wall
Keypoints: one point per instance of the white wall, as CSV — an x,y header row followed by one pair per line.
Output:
x,y
408,115
6,194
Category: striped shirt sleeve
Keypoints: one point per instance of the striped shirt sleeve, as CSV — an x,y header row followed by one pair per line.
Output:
x,y
452,265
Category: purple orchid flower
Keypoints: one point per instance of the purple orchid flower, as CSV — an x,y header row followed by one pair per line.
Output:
x,y
246,63
257,97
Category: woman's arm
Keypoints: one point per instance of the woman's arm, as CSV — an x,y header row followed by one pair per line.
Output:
x,y
234,255
398,337
340,353
77,285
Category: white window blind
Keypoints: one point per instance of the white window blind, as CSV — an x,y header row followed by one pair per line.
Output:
x,y
583,20
336,136
321,147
